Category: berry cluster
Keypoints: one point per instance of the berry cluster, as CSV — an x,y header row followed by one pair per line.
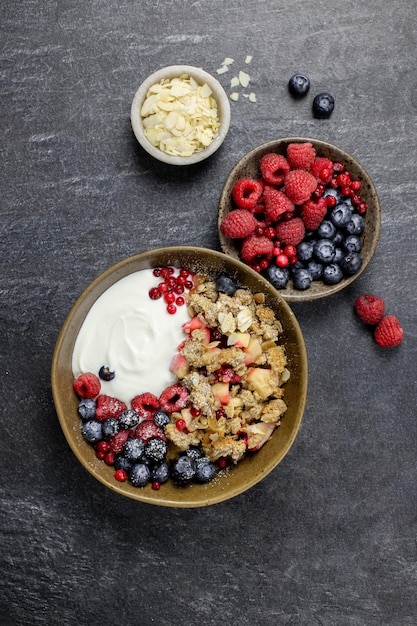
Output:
x,y
133,441
171,288
302,219
387,330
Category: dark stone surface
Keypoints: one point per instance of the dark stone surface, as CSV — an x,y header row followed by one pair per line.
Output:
x,y
330,536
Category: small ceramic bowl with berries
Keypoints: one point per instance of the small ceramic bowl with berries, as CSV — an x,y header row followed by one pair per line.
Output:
x,y
180,115
180,377
302,212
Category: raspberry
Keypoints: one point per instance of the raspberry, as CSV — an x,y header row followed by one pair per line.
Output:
x,y
109,407
254,246
87,385
322,168
388,333
274,168
118,441
313,213
174,398
369,308
299,185
246,192
239,224
145,405
276,203
300,156
148,429
291,232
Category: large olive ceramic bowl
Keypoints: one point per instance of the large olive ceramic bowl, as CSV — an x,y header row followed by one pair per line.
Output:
x,y
248,166
253,467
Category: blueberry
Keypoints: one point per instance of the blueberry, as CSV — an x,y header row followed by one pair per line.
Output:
x,y
341,214
351,263
332,274
205,470
305,250
87,409
324,251
183,470
352,243
105,373
326,230
323,105
302,279
315,269
92,431
338,238
193,453
110,427
356,225
156,449
330,191
338,255
161,418
122,462
160,473
277,276
128,419
133,449
298,85
139,475
226,285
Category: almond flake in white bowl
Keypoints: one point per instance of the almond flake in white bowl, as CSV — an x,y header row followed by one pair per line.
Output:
x,y
180,115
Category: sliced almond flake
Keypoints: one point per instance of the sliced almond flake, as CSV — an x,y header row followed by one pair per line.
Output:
x,y
244,79
234,96
248,59
234,82
252,97
228,61
222,69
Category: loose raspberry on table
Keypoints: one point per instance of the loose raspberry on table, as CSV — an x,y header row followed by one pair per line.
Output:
x,y
388,332
246,192
276,203
323,169
256,246
274,168
291,232
313,213
300,155
107,406
87,385
238,224
299,185
369,308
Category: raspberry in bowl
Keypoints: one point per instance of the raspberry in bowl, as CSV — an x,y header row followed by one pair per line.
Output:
x,y
218,408
303,213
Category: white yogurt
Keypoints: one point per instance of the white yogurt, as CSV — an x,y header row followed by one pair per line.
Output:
x,y
131,334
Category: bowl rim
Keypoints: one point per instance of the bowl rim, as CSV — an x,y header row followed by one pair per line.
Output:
x,y
201,76
156,498
307,295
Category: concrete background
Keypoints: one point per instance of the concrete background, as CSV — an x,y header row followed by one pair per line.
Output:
x,y
329,537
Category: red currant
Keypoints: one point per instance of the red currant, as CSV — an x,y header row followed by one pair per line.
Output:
x,y
180,301
331,201
156,485
120,475
157,272
180,424
110,457
290,250
154,293
169,297
282,260
222,462
355,185
171,308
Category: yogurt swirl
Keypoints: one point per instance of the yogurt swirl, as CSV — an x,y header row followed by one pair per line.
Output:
x,y
131,334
